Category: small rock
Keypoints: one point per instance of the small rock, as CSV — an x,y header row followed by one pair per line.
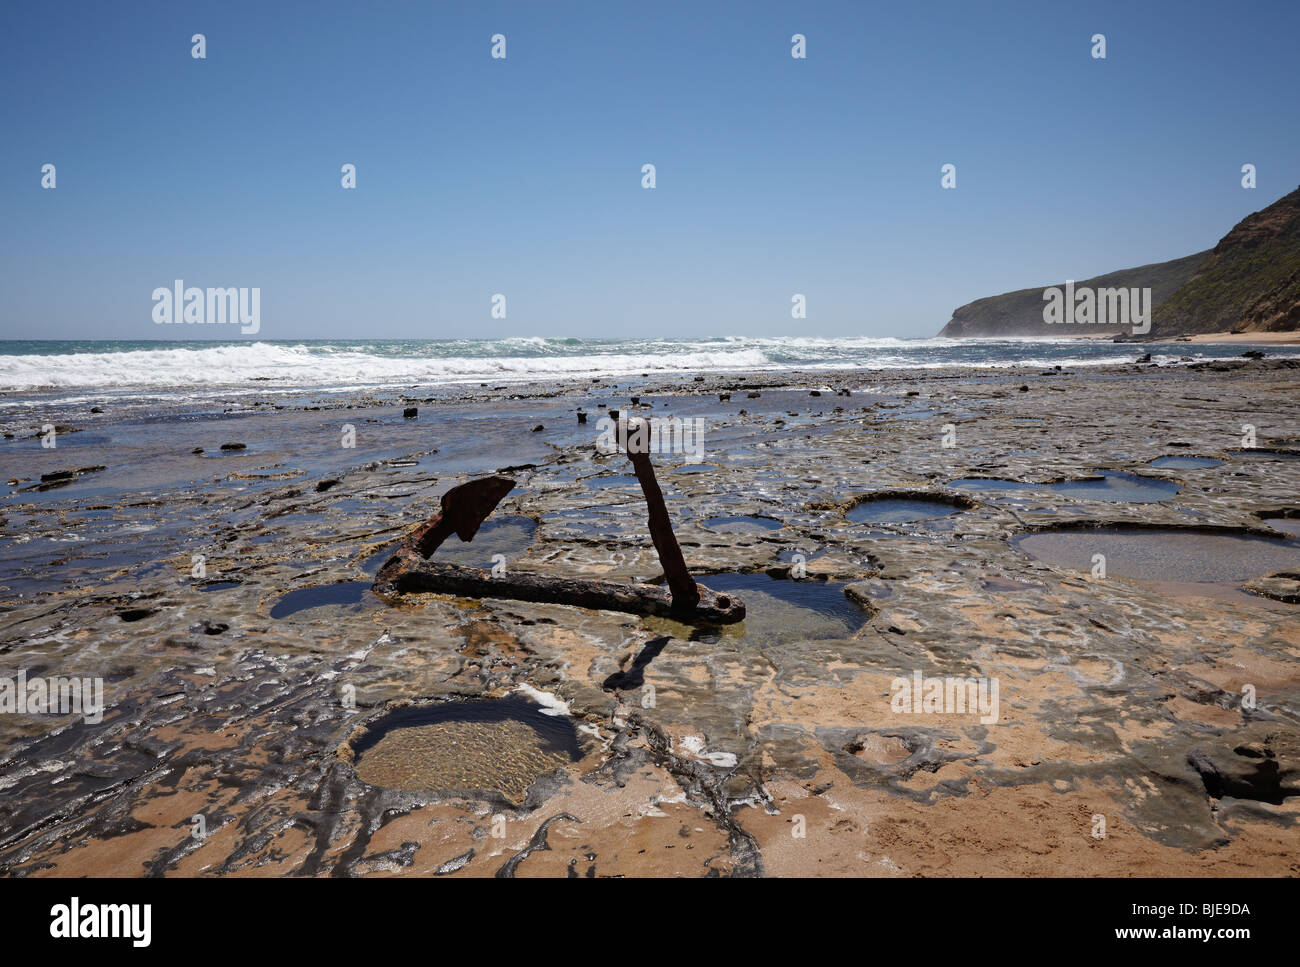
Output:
x,y
1280,586
410,413
538,428
234,446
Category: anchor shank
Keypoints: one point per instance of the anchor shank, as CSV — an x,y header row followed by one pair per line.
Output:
x,y
685,592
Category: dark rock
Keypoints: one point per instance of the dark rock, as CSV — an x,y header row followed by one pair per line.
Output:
x,y
325,485
411,412
234,446
1260,762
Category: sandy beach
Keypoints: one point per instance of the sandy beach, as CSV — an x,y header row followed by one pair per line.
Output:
x,y
880,526
1257,338
1219,338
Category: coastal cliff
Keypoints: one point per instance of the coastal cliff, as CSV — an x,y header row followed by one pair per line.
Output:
x,y
1020,313
1249,282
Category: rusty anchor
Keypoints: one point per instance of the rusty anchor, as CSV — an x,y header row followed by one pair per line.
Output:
x,y
466,506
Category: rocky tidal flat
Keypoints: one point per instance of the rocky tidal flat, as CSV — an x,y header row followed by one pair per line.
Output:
x,y
213,566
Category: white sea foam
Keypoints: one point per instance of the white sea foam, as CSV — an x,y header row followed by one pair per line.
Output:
x,y
172,370
281,365
550,704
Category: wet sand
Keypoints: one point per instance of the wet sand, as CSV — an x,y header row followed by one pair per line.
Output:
x,y
1122,745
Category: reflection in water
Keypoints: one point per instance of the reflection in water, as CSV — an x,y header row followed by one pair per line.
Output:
x,y
1151,554
1185,463
1108,485
352,597
898,510
776,610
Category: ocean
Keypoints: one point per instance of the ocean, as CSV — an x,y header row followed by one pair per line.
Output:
x,y
190,369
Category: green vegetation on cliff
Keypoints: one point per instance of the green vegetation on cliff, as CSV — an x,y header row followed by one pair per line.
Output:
x,y
1250,282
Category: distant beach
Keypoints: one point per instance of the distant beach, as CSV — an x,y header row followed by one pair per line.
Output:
x,y
1217,338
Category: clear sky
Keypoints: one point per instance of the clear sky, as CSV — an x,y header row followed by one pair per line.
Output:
x,y
522,176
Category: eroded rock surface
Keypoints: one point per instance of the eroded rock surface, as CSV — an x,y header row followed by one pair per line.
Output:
x,y
1144,726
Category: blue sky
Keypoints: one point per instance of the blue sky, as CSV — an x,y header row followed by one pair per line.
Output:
x,y
523,176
